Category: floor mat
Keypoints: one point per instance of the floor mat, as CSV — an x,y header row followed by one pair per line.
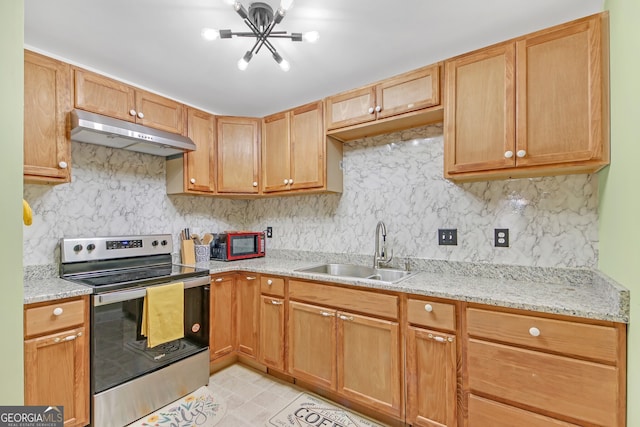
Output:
x,y
198,409
307,410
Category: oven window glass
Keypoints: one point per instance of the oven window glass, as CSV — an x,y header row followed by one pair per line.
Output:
x,y
119,352
244,245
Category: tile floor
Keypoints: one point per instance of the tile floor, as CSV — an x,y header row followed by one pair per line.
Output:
x,y
251,396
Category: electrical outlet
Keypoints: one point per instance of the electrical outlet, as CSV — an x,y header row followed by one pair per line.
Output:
x,y
501,237
269,232
447,236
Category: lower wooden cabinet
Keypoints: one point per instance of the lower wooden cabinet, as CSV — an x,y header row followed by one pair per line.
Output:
x,y
222,328
272,332
369,362
312,344
431,378
56,357
247,319
569,371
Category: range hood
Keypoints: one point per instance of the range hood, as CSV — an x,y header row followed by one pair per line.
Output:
x,y
102,130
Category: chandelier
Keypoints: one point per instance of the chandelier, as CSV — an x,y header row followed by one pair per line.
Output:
x,y
261,20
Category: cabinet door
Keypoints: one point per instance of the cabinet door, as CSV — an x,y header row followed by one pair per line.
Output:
x,y
272,332
409,92
248,301
560,99
222,329
159,112
47,100
480,110
57,373
431,378
199,171
276,152
307,147
351,108
238,155
369,362
312,344
102,95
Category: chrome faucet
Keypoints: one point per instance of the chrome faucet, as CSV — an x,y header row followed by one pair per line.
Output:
x,y
380,256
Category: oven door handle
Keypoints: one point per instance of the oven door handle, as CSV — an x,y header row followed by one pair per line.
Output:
x,y
130,294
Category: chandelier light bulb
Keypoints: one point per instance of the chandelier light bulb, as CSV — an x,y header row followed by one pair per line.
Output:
x,y
284,65
242,64
286,4
311,36
210,34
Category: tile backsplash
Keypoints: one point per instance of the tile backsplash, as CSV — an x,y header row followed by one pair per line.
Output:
x,y
396,178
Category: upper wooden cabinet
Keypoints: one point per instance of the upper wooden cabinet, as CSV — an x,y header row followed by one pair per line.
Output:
x,y
296,154
47,101
102,95
536,105
238,155
393,104
194,172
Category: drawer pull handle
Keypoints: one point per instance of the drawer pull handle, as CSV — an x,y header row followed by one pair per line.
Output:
x,y
57,311
535,332
70,338
219,279
440,339
274,302
251,278
326,314
428,308
269,282
343,317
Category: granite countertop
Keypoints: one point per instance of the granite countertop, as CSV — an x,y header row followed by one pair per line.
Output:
x,y
582,293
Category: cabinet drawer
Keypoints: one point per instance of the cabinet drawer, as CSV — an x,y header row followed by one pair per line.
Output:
x,y
431,314
559,385
272,285
484,412
42,319
579,339
382,305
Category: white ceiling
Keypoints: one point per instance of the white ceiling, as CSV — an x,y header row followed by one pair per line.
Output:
x,y
156,44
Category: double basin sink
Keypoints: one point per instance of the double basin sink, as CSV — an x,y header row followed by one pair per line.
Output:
x,y
388,275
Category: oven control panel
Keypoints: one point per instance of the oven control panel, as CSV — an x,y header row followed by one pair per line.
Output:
x,y
123,244
114,247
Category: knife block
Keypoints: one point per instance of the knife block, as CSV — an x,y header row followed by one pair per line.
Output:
x,y
187,252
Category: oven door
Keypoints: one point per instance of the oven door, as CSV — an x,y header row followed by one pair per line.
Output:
x,y
119,352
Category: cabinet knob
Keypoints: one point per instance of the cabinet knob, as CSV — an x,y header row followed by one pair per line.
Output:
x,y
140,115
255,184
269,282
291,181
428,308
508,154
371,110
286,181
534,332
132,112
192,180
521,153
57,311
63,165
378,108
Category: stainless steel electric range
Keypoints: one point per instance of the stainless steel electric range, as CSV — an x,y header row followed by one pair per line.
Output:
x,y
129,380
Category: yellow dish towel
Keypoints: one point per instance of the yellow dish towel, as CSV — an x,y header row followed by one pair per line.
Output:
x,y
163,314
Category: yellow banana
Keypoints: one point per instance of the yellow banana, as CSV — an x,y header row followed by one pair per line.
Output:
x,y
27,213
